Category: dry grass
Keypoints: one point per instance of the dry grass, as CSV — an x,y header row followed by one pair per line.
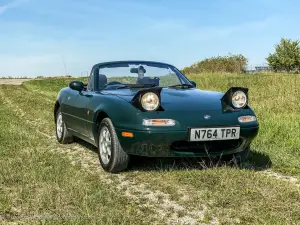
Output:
x,y
38,182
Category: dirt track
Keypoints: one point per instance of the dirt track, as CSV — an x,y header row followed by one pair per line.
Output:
x,y
12,81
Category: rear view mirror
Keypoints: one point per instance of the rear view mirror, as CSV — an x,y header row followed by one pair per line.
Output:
x,y
76,85
133,70
137,70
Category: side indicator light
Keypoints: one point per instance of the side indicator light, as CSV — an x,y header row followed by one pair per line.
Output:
x,y
127,134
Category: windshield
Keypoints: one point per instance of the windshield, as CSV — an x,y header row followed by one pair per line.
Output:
x,y
130,75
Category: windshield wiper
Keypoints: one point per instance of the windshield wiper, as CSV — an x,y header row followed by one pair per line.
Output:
x,y
123,86
181,86
143,85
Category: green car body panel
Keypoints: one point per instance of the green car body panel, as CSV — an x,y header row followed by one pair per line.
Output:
x,y
83,111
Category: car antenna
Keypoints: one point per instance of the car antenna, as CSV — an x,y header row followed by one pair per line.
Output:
x,y
64,63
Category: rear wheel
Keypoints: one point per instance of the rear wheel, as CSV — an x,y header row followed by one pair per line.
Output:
x,y
62,134
112,157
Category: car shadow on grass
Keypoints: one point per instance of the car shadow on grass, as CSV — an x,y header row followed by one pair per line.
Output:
x,y
86,145
256,161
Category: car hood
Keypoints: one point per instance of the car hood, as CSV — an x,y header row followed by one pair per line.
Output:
x,y
175,99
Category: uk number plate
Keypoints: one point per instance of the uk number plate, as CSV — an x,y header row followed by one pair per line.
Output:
x,y
214,134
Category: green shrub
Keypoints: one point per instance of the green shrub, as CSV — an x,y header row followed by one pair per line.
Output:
x,y
219,64
286,57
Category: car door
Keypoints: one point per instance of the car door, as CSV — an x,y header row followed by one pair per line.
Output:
x,y
75,108
76,111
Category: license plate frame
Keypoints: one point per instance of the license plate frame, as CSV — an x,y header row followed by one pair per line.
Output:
x,y
218,128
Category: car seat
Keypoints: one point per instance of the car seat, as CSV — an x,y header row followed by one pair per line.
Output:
x,y
100,81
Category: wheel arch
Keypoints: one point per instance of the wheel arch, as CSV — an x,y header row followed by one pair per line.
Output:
x,y
56,107
99,116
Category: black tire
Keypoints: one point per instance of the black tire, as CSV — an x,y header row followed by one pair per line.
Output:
x,y
238,158
118,160
64,137
242,156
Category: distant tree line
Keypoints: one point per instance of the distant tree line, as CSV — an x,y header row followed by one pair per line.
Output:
x,y
286,58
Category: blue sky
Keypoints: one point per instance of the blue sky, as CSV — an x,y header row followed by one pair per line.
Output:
x,y
38,35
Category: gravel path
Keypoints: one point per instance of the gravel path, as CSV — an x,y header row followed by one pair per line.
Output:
x,y
12,81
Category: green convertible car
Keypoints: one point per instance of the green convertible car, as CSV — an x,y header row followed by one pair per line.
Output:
x,y
151,109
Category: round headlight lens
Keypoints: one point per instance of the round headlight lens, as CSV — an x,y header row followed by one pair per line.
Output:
x,y
239,99
150,101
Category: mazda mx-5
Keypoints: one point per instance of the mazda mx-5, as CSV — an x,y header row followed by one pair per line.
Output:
x,y
151,109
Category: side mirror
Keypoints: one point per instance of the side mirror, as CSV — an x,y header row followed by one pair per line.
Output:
x,y
193,83
76,85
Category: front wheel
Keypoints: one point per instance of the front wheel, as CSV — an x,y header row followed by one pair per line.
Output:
x,y
62,134
238,157
112,157
242,156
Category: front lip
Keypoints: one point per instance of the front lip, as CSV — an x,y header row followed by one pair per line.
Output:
x,y
157,143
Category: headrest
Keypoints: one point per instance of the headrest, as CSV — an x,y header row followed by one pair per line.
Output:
x,y
100,81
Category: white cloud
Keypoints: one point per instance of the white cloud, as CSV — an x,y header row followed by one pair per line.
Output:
x,y
12,4
3,9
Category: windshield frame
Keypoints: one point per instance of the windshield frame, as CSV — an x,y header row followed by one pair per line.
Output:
x,y
181,77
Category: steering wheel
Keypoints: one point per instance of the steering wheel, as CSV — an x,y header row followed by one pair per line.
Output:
x,y
113,83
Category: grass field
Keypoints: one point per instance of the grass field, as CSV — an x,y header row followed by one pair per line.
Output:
x,y
42,181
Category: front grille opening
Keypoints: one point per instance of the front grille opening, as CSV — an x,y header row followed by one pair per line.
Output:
x,y
205,146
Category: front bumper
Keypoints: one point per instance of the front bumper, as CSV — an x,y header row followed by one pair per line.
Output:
x,y
161,143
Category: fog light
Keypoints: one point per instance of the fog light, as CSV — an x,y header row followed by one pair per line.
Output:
x,y
246,119
159,122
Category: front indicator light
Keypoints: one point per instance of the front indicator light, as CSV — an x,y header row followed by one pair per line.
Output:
x,y
127,134
246,119
159,122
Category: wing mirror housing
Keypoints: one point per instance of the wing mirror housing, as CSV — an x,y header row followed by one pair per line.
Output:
x,y
193,83
76,85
